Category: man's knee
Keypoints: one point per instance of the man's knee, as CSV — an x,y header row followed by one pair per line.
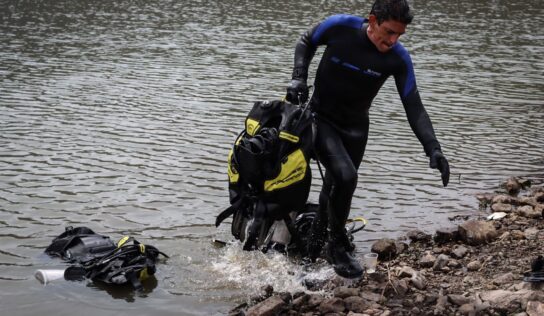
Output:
x,y
347,180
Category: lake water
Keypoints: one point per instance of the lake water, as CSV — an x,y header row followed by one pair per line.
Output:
x,y
118,115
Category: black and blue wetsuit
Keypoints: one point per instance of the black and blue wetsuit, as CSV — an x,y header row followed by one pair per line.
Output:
x,y
349,76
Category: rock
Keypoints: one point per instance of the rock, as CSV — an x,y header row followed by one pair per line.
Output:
x,y
332,305
527,200
441,262
539,197
467,309
356,314
271,306
517,234
417,235
528,211
535,308
512,186
315,300
459,252
504,278
454,264
458,300
484,198
419,299
505,301
385,248
377,276
356,304
444,235
501,207
474,265
430,299
343,292
441,304
477,232
286,296
531,233
300,301
479,305
401,287
469,280
401,246
540,208
373,311
408,303
405,272
370,296
520,286
419,281
427,260
503,198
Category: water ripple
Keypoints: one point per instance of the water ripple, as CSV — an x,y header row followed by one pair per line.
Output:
x,y
120,115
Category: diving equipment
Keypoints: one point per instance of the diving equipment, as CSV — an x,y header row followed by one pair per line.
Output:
x,y
269,173
98,258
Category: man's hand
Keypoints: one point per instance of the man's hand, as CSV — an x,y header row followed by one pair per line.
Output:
x,y
438,161
297,92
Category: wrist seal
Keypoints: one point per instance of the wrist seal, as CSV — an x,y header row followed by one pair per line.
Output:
x,y
300,73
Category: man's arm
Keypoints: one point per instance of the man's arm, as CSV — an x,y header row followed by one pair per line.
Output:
x,y
306,48
304,52
420,122
297,91
417,115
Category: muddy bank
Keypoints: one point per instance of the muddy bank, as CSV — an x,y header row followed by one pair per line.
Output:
x,y
482,266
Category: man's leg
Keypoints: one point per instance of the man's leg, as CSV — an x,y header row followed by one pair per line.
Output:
x,y
321,220
340,183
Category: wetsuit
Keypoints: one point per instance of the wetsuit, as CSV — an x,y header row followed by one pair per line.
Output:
x,y
349,76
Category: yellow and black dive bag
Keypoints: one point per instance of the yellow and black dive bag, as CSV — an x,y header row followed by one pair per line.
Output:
x,y
268,170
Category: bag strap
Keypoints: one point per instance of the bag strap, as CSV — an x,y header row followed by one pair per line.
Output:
x,y
229,211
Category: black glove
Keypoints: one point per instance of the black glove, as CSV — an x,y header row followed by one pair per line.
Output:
x,y
438,161
297,92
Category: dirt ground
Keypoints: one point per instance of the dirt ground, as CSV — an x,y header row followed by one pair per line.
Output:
x,y
453,272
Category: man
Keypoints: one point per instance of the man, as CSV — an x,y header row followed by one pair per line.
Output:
x,y
360,55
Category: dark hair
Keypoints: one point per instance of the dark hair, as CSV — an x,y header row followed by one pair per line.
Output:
x,y
397,10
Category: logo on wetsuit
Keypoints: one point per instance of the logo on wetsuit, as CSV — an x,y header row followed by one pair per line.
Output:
x,y
368,72
372,73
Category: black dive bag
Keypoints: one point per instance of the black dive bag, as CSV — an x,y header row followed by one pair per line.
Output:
x,y
269,173
98,258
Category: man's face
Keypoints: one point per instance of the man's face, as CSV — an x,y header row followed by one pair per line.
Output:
x,y
386,34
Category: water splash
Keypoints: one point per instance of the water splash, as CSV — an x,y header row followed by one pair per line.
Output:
x,y
251,270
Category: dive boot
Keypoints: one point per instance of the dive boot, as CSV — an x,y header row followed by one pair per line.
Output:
x,y
318,235
344,263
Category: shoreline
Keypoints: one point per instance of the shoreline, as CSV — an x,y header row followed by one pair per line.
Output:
x,y
475,268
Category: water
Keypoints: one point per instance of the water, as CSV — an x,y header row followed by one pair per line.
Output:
x,y
118,115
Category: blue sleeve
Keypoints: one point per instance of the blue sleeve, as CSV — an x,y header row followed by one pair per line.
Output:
x,y
318,33
405,78
418,118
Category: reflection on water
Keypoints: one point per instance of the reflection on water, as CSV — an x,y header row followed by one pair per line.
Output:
x,y
119,116
126,292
